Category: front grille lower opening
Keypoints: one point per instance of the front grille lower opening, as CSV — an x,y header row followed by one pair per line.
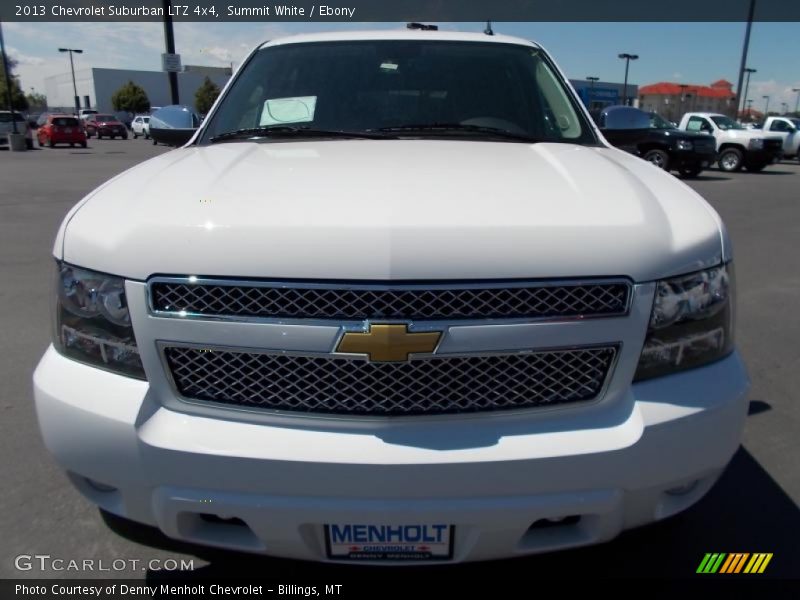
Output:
x,y
439,385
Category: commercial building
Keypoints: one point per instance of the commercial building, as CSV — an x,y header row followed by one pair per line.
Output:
x,y
96,86
603,93
672,100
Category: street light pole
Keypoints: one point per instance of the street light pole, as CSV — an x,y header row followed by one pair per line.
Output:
x,y
750,13
797,102
9,98
169,39
72,68
591,81
627,58
766,106
749,71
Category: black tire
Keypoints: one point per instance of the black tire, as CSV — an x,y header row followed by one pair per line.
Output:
x,y
155,143
657,158
113,136
83,144
29,144
756,167
41,143
690,172
124,136
51,143
731,160
135,135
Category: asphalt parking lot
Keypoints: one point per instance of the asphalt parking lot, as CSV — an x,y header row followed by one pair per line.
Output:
x,y
754,508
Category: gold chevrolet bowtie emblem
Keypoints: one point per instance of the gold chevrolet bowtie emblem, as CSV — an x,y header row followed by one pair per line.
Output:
x,y
388,343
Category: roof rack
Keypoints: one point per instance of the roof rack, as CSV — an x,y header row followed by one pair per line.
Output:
x,y
422,27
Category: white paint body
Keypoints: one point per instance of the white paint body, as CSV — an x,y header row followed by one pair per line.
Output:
x,y
786,129
390,210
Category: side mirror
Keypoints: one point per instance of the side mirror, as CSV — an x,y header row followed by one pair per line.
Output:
x,y
173,125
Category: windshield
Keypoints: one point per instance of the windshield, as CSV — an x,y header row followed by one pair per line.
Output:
x,y
726,123
659,122
65,122
422,88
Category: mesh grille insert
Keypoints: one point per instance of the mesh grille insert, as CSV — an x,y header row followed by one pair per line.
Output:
x,y
439,385
238,300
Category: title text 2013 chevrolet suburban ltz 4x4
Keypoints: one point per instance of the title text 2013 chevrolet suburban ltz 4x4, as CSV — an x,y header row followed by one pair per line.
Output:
x,y
397,299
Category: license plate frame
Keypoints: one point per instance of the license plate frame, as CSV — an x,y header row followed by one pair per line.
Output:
x,y
428,549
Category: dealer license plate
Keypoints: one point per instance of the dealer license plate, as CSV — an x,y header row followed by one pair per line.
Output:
x,y
415,541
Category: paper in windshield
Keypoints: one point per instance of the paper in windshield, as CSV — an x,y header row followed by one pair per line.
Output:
x,y
282,111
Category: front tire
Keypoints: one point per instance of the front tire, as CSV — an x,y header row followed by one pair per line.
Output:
x,y
657,158
730,160
135,135
29,144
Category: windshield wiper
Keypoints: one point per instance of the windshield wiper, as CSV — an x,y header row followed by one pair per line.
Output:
x,y
457,128
289,131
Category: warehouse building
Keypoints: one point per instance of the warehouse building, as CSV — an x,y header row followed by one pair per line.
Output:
x,y
603,93
95,86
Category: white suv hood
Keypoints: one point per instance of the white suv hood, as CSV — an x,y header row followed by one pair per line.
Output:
x,y
391,209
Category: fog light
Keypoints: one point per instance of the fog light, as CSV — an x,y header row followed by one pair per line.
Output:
x,y
682,490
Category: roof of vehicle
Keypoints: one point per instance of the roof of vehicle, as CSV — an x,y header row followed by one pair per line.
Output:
x,y
398,34
703,114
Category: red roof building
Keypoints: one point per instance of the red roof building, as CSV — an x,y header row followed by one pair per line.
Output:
x,y
672,100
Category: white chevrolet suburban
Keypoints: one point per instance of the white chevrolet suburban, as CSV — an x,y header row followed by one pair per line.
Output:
x,y
737,146
397,299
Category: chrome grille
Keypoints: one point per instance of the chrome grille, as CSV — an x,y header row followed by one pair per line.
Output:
x,y
396,302
439,385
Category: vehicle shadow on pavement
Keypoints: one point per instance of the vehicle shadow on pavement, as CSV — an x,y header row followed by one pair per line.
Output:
x,y
746,511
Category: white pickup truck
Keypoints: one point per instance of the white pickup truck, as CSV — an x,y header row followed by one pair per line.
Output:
x,y
787,128
397,299
737,146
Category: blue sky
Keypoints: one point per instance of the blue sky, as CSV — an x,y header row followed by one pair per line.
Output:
x,y
680,52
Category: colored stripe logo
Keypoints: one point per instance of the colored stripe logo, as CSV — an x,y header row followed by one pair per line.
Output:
x,y
736,562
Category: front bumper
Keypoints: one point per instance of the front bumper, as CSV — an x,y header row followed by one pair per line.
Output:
x,y
492,476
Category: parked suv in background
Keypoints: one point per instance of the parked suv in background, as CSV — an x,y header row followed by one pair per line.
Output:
x,y
7,126
737,146
105,125
141,126
656,140
396,300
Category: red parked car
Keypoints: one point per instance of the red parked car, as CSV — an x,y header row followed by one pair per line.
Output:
x,y
61,129
107,125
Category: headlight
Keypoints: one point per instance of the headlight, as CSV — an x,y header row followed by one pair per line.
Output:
x,y
684,145
756,144
92,321
691,323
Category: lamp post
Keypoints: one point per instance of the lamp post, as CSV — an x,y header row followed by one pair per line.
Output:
x,y
796,102
72,68
591,81
750,109
627,58
784,108
749,72
8,83
751,11
766,105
